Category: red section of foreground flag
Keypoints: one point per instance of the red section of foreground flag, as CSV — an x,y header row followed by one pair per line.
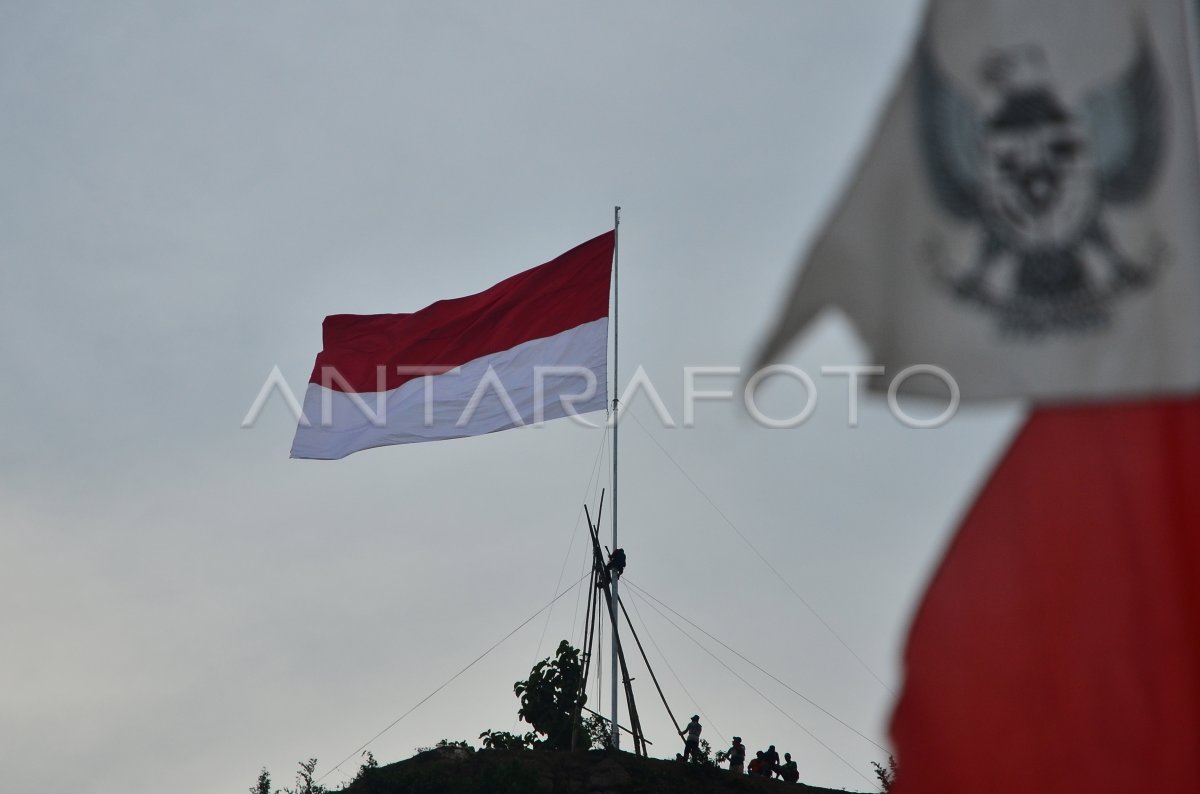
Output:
x,y
562,294
1058,647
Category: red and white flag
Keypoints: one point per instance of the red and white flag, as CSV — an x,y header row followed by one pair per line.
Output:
x,y
531,348
1027,217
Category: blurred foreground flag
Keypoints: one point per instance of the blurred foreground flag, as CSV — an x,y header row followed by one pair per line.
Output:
x,y
1057,648
531,348
1027,217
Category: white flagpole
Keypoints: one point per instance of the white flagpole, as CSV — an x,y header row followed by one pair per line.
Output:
x,y
615,668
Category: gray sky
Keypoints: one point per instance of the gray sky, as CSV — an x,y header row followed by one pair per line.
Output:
x,y
191,187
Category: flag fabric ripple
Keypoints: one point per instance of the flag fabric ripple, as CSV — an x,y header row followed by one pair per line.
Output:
x,y
531,348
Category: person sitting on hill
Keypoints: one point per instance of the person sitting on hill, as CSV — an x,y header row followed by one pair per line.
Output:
x,y
788,771
736,755
756,766
771,759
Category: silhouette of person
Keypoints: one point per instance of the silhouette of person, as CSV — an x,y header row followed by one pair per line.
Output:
x,y
691,746
771,760
788,771
736,756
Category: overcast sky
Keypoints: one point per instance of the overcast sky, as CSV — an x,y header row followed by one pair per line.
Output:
x,y
189,188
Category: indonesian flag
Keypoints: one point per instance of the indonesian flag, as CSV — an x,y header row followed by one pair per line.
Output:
x,y
531,348
1027,217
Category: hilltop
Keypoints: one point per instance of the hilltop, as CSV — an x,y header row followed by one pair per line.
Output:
x,y
545,772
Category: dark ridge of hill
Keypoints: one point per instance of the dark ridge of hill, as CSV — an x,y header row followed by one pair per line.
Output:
x,y
541,772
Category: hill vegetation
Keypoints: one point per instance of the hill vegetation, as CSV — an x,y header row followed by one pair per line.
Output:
x,y
565,753
551,772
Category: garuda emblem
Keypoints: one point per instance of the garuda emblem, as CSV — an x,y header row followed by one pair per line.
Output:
x,y
1037,177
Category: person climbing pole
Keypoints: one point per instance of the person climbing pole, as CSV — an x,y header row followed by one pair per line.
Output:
x,y
616,562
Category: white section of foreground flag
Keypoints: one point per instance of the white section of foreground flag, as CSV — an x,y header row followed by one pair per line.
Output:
x,y
1026,214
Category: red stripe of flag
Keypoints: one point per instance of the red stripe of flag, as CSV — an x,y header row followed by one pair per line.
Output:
x,y
564,293
1058,646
